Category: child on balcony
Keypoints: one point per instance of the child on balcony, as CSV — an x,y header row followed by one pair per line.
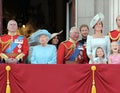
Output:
x,y
114,57
100,56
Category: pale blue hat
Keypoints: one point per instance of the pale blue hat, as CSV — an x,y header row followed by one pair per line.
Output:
x,y
39,32
96,18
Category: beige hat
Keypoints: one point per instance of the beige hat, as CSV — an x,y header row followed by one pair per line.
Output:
x,y
55,34
96,18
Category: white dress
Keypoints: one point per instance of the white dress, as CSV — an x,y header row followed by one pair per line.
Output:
x,y
97,60
94,43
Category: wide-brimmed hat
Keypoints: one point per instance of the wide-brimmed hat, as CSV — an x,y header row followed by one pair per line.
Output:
x,y
55,34
96,18
39,32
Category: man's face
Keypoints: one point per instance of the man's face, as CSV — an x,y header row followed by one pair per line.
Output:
x,y
84,32
12,26
75,34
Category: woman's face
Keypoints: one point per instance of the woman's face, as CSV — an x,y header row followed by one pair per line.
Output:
x,y
98,26
43,39
55,40
100,52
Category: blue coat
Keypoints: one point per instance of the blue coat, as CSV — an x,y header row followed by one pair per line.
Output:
x,y
43,55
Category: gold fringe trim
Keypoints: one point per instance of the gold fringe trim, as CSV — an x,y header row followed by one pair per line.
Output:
x,y
69,48
118,37
93,90
8,90
6,44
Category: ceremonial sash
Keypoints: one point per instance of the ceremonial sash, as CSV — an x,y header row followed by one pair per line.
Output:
x,y
13,45
74,55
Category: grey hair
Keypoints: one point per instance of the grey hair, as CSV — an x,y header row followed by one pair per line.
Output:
x,y
72,29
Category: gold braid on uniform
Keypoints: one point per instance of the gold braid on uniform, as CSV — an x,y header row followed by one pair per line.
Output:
x,y
118,37
69,48
6,43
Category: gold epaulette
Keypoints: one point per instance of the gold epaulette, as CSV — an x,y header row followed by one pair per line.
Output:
x,y
69,48
6,43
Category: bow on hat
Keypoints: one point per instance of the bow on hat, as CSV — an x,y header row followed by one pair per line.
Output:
x,y
96,18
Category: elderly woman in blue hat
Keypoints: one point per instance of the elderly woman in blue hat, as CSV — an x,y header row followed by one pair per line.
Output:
x,y
97,39
43,53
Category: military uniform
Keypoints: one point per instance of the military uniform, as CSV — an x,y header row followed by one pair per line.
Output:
x,y
15,47
66,50
114,35
83,44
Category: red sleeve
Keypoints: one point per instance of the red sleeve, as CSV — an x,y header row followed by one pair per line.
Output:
x,y
25,47
85,56
61,54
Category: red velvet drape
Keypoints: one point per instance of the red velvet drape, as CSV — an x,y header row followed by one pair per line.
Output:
x,y
27,78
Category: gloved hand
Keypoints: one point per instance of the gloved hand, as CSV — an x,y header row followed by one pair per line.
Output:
x,y
11,61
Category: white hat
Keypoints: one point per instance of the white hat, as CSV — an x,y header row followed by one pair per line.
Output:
x,y
55,34
96,18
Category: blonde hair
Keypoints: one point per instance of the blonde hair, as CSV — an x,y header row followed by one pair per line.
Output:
x,y
111,52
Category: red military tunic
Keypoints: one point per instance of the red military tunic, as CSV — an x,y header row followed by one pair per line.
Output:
x,y
114,35
21,48
66,49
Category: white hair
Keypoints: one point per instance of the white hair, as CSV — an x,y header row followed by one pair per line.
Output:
x,y
72,29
